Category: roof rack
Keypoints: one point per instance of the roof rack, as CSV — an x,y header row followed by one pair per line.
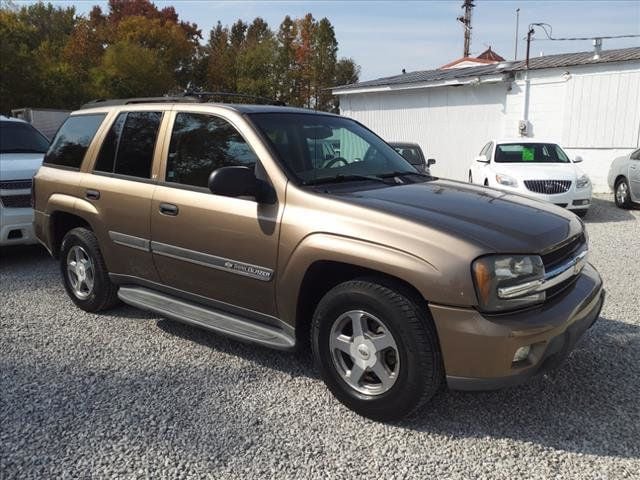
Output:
x,y
186,97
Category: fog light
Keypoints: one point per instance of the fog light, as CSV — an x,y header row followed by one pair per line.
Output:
x,y
522,354
581,202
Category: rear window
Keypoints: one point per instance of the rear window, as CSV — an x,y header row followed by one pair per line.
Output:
x,y
530,153
18,137
72,140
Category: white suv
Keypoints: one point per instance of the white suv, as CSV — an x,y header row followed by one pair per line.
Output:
x,y
22,148
537,169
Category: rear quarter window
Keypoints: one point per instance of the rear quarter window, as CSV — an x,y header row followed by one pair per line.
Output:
x,y
72,140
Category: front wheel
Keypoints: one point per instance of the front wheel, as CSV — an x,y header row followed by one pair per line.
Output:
x,y
84,272
377,349
623,199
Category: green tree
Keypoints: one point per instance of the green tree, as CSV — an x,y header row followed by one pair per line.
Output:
x,y
347,72
304,58
325,50
285,63
255,61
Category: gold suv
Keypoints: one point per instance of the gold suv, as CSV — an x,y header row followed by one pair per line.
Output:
x,y
287,227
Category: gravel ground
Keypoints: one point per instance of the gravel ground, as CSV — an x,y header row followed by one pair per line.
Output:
x,y
127,394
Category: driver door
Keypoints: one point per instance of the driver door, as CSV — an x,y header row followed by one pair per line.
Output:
x,y
217,247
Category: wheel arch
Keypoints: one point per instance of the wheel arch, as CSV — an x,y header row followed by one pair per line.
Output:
x,y
61,222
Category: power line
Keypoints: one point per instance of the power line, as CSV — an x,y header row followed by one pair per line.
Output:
x,y
548,31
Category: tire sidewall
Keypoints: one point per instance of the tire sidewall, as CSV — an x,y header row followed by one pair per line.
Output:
x,y
95,299
412,380
626,202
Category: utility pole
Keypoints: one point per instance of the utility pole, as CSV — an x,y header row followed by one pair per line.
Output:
x,y
466,21
515,54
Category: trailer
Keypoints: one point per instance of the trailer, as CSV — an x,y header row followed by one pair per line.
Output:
x,y
47,120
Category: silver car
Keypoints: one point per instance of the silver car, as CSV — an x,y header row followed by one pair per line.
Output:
x,y
624,179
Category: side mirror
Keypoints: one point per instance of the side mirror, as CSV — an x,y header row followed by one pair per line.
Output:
x,y
577,159
240,182
431,161
482,159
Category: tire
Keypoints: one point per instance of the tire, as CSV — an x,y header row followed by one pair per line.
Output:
x,y
96,292
621,194
486,182
415,364
581,213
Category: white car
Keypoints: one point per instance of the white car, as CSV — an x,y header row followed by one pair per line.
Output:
x,y
624,179
534,168
22,149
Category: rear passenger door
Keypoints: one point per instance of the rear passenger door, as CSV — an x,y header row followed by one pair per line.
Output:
x,y
120,187
217,247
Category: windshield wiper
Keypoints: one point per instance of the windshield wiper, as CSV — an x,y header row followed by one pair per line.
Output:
x,y
345,178
401,173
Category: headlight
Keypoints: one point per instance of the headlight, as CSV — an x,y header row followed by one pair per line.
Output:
x,y
506,282
506,180
583,181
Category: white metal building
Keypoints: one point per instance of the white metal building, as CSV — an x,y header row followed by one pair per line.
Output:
x,y
588,103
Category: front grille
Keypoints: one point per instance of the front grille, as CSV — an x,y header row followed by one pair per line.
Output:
x,y
565,251
548,187
15,184
16,201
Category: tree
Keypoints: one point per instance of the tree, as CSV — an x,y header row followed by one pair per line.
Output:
x,y
220,64
304,58
285,63
255,61
347,72
325,50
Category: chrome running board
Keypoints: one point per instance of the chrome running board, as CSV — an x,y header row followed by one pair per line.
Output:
x,y
218,321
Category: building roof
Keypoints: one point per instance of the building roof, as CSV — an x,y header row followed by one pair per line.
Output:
x,y
535,63
489,54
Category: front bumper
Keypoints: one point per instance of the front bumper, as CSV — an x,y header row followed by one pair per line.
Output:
x,y
573,199
478,349
16,226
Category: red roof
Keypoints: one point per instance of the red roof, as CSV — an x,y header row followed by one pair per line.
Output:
x,y
489,54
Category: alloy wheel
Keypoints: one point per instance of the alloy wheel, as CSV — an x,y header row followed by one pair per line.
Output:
x,y
80,272
364,352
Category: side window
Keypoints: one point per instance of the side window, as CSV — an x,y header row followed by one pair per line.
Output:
x,y
107,156
202,143
486,151
72,140
635,155
128,147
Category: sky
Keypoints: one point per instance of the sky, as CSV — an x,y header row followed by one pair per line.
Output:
x,y
384,37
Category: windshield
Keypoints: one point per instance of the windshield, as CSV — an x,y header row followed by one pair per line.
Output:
x,y
412,154
530,153
318,148
18,137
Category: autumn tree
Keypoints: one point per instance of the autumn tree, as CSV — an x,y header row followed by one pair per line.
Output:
x,y
285,63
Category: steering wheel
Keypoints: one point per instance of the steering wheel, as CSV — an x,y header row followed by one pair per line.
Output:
x,y
333,161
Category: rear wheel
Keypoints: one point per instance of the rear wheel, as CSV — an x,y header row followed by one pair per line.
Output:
x,y
84,272
377,349
623,199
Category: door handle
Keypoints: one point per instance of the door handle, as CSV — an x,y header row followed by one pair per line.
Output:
x,y
169,209
92,194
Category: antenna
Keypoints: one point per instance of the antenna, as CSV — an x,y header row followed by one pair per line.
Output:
x,y
466,21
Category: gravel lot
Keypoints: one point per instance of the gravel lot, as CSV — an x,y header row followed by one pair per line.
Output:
x,y
128,394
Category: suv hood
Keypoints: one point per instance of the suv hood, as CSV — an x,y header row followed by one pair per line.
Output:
x,y
19,166
498,221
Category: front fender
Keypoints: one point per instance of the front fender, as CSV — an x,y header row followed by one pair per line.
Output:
x,y
327,247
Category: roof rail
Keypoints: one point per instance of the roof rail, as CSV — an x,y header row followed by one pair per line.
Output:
x,y
186,97
225,95
103,102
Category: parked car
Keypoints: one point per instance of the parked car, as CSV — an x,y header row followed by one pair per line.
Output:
x,y
624,179
537,169
399,280
413,154
22,148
